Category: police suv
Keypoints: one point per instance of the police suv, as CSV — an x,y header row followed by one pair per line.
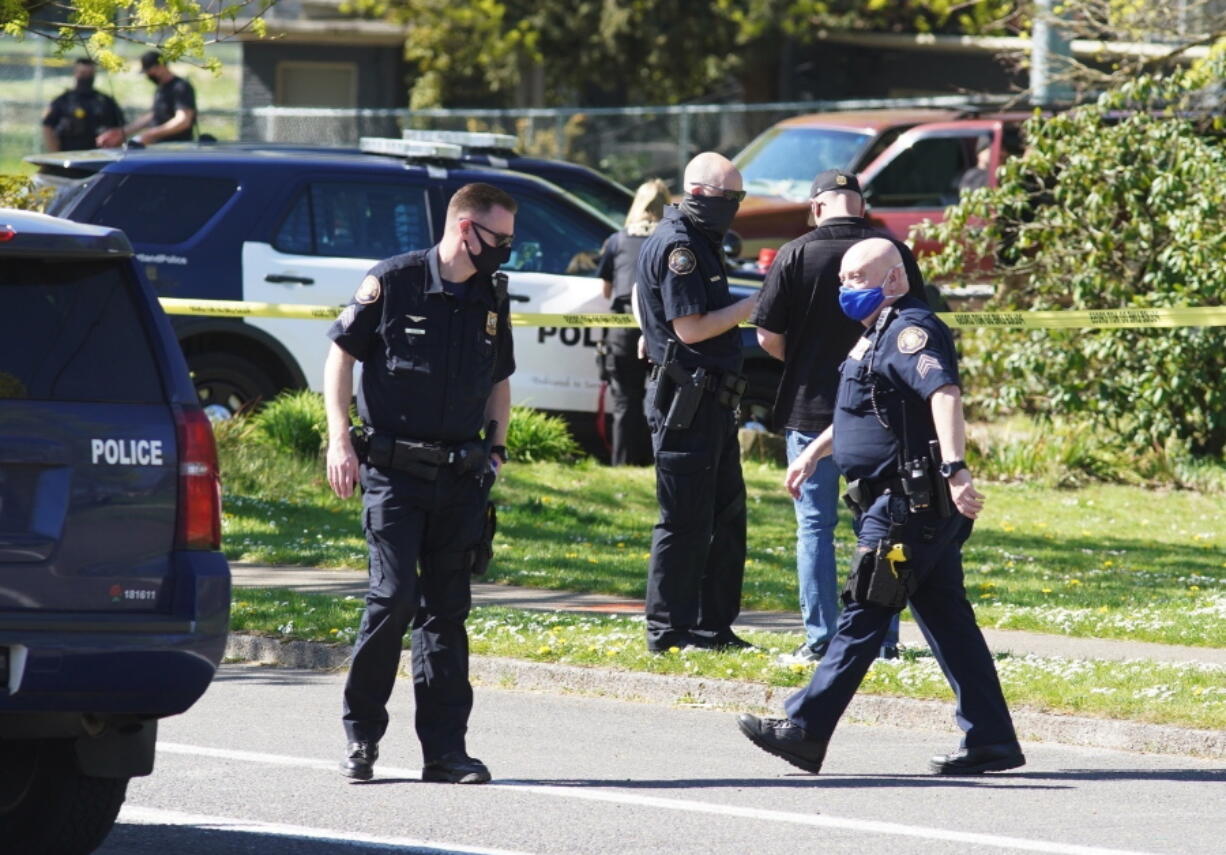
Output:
x,y
300,225
114,598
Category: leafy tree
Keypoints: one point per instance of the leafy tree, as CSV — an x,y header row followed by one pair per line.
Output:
x,y
1118,204
178,28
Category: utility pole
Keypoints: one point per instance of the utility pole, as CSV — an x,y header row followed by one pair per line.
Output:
x,y
1051,54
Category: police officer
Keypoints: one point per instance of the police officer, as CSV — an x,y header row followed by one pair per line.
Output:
x,y
76,118
689,322
621,365
799,322
173,115
898,392
432,331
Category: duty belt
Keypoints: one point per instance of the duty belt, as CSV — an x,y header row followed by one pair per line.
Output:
x,y
862,492
418,458
729,386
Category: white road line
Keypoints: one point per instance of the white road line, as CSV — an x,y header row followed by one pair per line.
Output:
x,y
614,796
155,816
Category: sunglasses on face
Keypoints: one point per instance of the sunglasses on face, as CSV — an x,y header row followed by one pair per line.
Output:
x,y
730,195
499,239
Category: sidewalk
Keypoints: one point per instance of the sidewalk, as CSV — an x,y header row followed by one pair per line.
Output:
x,y
352,582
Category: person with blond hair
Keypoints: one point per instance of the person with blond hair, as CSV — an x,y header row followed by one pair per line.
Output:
x,y
621,365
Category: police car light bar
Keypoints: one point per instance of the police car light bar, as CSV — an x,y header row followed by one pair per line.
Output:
x,y
477,141
410,148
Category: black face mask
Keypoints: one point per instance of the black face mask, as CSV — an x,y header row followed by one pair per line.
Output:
x,y
85,84
712,214
491,257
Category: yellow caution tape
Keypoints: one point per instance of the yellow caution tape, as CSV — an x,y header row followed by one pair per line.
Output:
x,y
1203,316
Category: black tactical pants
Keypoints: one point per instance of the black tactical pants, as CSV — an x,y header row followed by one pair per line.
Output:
x,y
420,534
631,435
698,546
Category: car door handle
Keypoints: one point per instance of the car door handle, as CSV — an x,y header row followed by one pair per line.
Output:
x,y
281,278
519,298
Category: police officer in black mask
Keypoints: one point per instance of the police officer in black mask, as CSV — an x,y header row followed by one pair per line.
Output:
x,y
76,118
689,323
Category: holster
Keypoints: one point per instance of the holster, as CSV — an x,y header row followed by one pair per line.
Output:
x,y
483,552
881,577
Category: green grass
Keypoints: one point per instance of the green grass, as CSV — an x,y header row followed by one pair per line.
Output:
x,y
1188,695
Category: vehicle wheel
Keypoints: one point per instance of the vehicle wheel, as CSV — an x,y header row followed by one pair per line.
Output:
x,y
48,806
228,384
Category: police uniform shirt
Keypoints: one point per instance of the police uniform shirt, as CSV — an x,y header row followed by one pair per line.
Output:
x,y
909,359
800,299
431,350
174,95
618,259
681,272
76,118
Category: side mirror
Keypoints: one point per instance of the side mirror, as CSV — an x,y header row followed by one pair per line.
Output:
x,y
732,244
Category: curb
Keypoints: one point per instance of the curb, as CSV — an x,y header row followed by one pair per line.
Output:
x,y
520,675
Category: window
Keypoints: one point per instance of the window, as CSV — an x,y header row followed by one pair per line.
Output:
x,y
355,221
317,84
72,332
163,209
924,175
549,238
783,162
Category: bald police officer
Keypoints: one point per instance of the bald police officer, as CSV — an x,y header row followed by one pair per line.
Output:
x,y
898,436
432,332
689,322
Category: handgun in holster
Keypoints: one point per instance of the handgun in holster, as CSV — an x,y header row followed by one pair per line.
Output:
x,y
678,393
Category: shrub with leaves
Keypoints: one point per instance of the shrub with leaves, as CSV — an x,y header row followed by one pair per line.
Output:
x,y
293,421
534,436
1116,205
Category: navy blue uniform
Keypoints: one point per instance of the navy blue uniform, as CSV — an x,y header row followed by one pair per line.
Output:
x,y
698,544
77,117
431,351
900,365
626,373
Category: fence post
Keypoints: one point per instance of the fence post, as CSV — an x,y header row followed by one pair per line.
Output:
x,y
683,148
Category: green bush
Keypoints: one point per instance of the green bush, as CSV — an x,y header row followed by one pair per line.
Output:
x,y
295,422
251,466
534,436
1117,205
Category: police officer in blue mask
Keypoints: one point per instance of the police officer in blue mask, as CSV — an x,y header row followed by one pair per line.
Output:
x,y
898,437
689,322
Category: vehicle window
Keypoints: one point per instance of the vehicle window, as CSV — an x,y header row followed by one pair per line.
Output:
x,y
783,162
163,209
551,239
610,201
884,140
924,175
356,221
72,332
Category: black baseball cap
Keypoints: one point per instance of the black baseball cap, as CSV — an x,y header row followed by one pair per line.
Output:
x,y
150,58
834,179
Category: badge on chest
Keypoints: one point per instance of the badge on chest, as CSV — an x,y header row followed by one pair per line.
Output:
x,y
491,323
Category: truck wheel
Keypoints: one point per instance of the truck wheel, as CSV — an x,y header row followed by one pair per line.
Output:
x,y
228,384
48,806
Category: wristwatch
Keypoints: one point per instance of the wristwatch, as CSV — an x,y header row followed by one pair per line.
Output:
x,y
949,468
500,450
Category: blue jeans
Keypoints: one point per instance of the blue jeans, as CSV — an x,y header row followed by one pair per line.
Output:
x,y
817,513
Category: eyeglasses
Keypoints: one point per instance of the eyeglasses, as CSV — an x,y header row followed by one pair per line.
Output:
x,y
500,240
730,195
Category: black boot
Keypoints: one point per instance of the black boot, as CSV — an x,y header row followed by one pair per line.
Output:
x,y
360,760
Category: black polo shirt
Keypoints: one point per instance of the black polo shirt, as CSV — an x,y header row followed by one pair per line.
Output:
x,y
889,376
174,95
681,272
618,262
431,350
800,299
77,117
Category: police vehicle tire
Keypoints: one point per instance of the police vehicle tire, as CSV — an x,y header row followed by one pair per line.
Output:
x,y
49,806
227,384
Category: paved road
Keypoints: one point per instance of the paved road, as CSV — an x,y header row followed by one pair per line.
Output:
x,y
251,769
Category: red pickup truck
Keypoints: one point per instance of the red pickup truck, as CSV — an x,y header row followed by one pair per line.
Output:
x,y
909,163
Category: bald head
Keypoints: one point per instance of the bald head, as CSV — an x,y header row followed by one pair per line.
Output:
x,y
868,261
709,170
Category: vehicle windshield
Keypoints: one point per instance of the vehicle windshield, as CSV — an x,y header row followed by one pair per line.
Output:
x,y
783,161
610,200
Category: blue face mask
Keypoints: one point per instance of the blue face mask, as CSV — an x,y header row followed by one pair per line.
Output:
x,y
859,303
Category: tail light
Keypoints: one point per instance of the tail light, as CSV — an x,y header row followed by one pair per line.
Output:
x,y
199,525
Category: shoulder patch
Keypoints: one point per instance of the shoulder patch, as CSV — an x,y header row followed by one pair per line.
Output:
x,y
912,340
368,291
681,261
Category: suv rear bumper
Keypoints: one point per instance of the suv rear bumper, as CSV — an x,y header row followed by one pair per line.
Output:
x,y
144,664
